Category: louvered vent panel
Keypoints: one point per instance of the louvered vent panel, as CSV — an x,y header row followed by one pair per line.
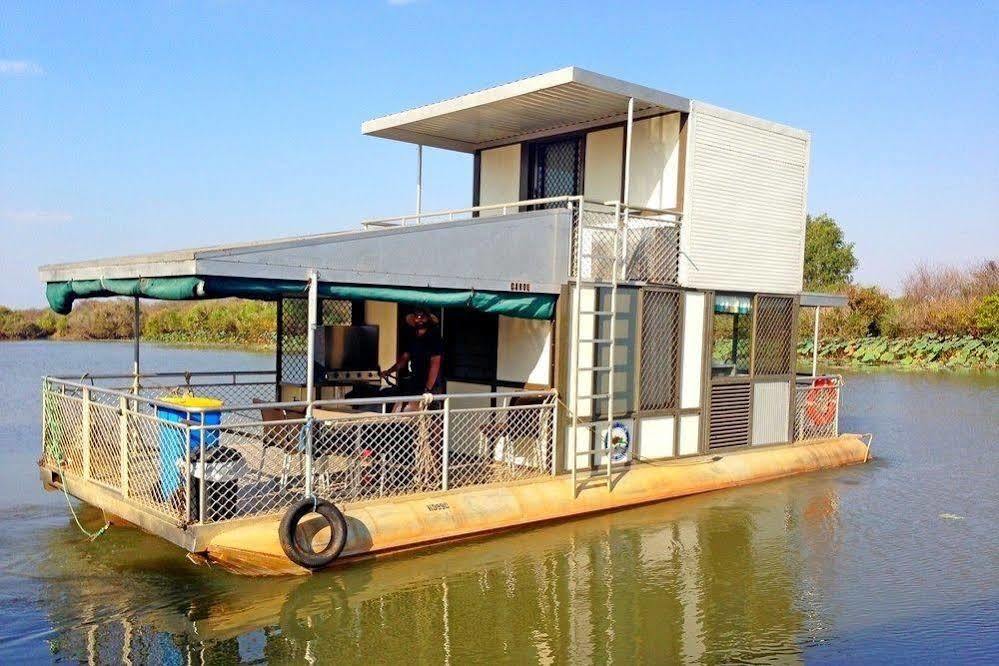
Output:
x,y
729,424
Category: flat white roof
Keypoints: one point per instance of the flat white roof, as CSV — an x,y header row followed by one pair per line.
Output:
x,y
564,100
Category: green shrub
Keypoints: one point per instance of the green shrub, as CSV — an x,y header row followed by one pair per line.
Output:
x,y
987,315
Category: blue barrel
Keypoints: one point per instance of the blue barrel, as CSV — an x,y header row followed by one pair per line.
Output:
x,y
197,409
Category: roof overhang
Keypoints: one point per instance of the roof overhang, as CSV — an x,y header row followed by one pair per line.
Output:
x,y
812,299
562,101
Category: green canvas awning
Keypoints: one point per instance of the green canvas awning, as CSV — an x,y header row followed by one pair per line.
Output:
x,y
61,295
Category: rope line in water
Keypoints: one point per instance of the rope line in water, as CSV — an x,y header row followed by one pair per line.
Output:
x,y
53,427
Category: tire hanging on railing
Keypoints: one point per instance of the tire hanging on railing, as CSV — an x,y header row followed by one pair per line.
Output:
x,y
298,547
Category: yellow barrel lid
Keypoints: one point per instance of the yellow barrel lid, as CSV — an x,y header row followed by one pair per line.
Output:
x,y
196,401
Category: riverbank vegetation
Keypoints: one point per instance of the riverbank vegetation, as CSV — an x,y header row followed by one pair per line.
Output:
x,y
229,322
945,316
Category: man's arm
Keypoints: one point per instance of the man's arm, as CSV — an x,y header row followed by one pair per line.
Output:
x,y
399,363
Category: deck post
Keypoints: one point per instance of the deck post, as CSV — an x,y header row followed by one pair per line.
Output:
x,y
815,343
625,195
85,434
310,377
445,454
419,181
136,331
187,473
278,349
202,500
123,442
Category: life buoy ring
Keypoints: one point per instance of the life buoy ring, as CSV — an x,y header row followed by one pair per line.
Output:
x,y
298,549
820,402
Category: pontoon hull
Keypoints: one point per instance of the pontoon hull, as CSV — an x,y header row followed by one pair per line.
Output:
x,y
383,526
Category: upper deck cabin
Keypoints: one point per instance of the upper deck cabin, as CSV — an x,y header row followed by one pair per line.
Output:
x,y
739,183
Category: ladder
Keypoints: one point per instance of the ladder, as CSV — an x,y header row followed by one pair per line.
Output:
x,y
578,342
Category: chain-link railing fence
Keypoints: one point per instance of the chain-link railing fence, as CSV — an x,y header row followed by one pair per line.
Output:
x,y
260,459
649,251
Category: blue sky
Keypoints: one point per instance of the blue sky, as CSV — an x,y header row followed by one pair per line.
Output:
x,y
158,125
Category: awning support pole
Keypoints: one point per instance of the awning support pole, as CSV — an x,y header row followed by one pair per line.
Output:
x,y
815,344
278,349
419,180
626,195
623,221
310,376
136,332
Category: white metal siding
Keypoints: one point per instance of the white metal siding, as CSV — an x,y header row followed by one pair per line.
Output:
x,y
499,177
524,350
771,402
746,192
604,163
655,159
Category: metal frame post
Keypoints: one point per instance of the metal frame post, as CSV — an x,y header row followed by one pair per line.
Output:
x,y
419,180
123,442
626,195
445,454
577,294
612,335
203,468
278,349
815,343
187,474
136,332
310,377
85,427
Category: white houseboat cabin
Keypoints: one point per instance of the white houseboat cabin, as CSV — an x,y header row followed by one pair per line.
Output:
x,y
623,293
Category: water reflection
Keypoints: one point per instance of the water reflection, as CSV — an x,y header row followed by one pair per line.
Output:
x,y
726,577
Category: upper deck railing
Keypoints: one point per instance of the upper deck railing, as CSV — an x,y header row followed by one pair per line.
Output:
x,y
648,238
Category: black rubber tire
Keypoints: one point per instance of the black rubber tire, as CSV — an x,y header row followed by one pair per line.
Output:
x,y
302,554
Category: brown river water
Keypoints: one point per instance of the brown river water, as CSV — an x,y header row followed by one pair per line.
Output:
x,y
895,561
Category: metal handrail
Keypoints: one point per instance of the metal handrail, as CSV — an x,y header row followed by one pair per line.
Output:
x,y
199,373
400,220
302,404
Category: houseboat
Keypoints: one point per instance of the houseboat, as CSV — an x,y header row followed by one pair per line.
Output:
x,y
613,322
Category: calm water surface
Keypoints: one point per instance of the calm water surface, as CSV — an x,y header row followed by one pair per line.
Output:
x,y
895,561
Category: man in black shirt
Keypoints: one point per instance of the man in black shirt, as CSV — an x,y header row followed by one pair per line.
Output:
x,y
422,351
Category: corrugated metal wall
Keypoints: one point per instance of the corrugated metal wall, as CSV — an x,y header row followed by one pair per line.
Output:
x,y
744,211
771,404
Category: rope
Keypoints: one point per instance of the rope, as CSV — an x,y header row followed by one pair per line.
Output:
x,y
54,427
93,536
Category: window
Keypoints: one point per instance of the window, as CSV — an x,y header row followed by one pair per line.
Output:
x,y
732,331
555,168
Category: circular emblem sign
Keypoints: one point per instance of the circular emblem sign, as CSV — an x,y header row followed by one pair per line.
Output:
x,y
620,442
